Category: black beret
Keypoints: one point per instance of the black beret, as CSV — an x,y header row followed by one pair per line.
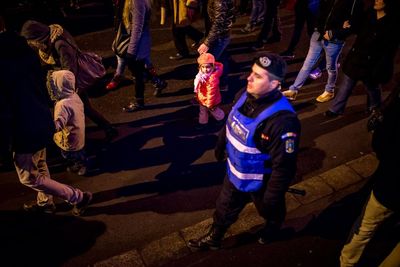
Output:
x,y
272,63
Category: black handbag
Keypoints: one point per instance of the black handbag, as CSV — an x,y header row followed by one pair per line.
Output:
x,y
121,41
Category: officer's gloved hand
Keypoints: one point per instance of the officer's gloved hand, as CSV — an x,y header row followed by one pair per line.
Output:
x,y
374,120
220,153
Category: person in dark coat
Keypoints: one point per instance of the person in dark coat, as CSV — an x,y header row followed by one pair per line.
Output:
x,y
58,50
271,25
27,125
260,141
221,14
371,57
384,201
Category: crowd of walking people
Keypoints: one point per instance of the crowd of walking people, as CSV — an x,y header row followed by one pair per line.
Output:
x,y
261,136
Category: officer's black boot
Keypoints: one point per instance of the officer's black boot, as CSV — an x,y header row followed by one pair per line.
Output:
x,y
268,234
212,240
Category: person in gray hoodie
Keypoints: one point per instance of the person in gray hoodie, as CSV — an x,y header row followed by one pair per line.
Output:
x,y
69,119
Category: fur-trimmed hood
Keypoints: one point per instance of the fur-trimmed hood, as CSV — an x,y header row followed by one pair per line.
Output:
x,y
60,84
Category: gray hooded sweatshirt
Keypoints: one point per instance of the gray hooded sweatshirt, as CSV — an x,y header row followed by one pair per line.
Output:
x,y
69,116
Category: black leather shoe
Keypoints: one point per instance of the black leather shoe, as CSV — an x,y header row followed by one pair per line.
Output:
x,y
331,114
273,39
200,126
268,234
206,242
133,106
177,56
211,241
258,46
110,133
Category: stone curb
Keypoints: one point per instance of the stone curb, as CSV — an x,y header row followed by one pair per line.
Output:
x,y
322,190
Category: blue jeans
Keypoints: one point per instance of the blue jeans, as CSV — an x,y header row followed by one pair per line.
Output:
x,y
332,52
219,51
346,87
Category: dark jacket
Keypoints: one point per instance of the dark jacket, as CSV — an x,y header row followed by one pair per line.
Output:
x,y
386,144
268,139
333,13
373,52
25,118
221,14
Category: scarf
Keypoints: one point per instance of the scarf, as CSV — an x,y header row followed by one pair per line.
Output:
x,y
200,78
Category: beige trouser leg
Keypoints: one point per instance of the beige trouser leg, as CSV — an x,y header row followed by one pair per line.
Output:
x,y
374,215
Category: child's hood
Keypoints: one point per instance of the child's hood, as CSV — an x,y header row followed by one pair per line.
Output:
x,y
60,84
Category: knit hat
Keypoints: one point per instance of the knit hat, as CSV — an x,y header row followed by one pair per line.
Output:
x,y
274,64
34,30
206,58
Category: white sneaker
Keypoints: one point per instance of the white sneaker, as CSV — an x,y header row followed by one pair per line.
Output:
x,y
325,97
290,94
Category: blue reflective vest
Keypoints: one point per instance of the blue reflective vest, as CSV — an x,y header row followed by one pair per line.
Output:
x,y
246,163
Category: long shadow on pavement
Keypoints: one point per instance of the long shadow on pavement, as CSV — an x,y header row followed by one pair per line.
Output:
x,y
174,192
45,239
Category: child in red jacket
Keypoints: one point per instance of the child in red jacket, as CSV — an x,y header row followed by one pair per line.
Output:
x,y
206,88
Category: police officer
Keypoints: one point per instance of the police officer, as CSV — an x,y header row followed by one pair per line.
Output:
x,y
260,142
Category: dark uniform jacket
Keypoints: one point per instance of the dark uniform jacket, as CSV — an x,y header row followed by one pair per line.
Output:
x,y
221,14
373,52
268,138
25,118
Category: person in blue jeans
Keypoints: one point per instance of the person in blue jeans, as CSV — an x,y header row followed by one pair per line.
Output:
x,y
334,24
371,58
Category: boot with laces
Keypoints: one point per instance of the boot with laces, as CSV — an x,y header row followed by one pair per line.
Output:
x,y
211,241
